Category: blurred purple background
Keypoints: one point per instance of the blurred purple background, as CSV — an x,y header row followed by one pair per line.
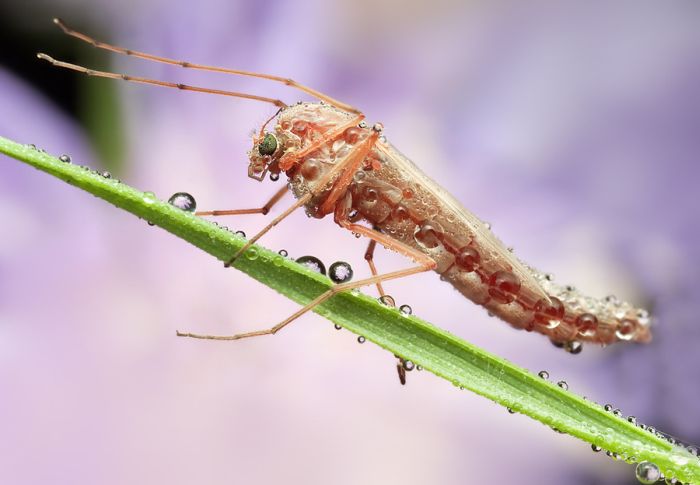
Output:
x,y
572,128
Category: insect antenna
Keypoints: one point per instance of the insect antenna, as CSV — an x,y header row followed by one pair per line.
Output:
x,y
155,82
189,65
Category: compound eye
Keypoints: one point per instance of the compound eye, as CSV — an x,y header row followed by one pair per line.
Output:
x,y
268,145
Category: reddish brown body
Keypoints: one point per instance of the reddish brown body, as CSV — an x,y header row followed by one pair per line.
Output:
x,y
393,195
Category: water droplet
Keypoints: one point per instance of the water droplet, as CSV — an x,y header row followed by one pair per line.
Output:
x,y
149,197
504,286
361,339
240,233
651,429
632,420
647,472
252,253
408,365
511,411
563,385
626,330
183,201
378,127
549,313
106,174
362,124
313,263
65,158
283,253
406,309
608,407
428,235
693,450
387,300
151,223
543,374
274,176
617,413
419,368
596,448
467,259
340,272
672,481
337,327
573,347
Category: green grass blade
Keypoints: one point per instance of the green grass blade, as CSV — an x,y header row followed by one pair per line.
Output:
x,y
413,339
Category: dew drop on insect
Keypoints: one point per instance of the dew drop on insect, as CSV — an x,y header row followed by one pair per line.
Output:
x,y
65,158
563,385
626,330
504,286
340,272
361,339
387,300
283,253
587,324
543,374
549,313
337,327
428,235
183,201
311,169
399,213
467,259
313,263
596,448
573,347
647,472
351,135
406,309
408,365
106,174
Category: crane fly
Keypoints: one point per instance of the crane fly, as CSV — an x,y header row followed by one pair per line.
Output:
x,y
338,165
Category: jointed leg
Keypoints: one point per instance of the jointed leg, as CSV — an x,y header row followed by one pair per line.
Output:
x,y
425,264
369,257
259,210
201,67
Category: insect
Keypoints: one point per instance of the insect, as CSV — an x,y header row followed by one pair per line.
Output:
x,y
339,166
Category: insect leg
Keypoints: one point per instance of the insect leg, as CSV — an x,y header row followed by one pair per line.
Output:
x,y
259,210
155,82
164,60
425,264
369,257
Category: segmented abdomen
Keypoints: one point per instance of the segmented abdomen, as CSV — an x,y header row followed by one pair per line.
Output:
x,y
395,196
